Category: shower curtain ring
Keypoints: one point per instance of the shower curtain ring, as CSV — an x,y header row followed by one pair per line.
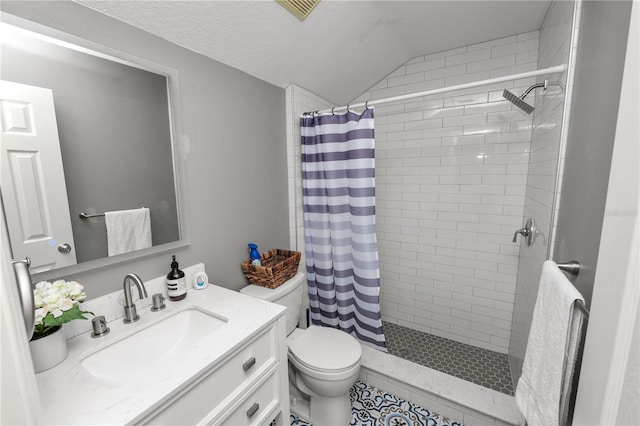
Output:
x,y
332,113
366,105
347,108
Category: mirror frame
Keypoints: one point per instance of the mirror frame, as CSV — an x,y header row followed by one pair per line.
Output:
x,y
179,144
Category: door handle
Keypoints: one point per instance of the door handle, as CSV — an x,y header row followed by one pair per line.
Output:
x,y
64,248
25,290
527,232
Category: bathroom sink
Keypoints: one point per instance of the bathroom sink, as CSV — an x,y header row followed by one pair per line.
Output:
x,y
152,349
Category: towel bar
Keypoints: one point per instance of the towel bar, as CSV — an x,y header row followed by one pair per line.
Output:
x,y
84,215
572,267
582,308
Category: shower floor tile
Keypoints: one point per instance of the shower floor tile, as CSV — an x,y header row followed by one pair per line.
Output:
x,y
372,407
480,366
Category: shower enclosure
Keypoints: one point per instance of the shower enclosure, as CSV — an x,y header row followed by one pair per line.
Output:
x,y
457,173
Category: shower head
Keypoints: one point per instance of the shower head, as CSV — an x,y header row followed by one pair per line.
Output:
x,y
519,102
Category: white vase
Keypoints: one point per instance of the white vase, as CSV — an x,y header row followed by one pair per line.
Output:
x,y
48,351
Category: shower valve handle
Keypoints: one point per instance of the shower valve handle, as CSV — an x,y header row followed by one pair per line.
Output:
x,y
527,232
524,232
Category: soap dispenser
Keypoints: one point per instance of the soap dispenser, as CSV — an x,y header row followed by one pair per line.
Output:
x,y
176,282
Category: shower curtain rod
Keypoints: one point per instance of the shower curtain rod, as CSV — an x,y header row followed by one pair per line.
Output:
x,y
550,70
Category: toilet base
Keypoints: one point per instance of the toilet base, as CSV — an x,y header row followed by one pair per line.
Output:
x,y
299,404
330,410
320,411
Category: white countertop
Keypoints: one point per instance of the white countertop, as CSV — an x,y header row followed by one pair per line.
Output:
x,y
71,395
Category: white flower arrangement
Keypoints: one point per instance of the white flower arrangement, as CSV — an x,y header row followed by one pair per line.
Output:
x,y
57,303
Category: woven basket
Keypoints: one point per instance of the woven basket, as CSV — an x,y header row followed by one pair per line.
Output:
x,y
277,267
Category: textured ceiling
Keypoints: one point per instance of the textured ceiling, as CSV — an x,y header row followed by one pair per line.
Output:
x,y
340,50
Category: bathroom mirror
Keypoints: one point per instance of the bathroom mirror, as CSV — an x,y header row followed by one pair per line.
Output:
x,y
113,121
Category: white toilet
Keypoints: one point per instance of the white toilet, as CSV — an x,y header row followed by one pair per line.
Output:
x,y
323,362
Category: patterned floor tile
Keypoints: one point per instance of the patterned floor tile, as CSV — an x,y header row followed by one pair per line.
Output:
x,y
480,366
372,407
297,421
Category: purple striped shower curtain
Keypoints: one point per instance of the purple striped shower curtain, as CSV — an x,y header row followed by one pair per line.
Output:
x,y
338,179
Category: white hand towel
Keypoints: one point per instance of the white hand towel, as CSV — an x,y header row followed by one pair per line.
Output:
x,y
128,230
555,330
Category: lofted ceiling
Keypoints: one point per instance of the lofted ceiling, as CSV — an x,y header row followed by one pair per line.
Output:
x,y
340,50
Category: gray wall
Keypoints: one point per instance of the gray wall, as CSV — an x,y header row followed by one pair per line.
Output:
x,y
594,110
233,130
115,137
610,379
600,60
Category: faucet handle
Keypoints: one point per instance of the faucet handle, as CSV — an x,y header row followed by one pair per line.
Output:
x,y
158,302
99,325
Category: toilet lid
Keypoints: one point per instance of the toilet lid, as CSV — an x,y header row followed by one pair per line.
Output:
x,y
326,348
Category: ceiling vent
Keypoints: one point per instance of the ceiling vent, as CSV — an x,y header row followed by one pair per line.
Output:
x,y
299,8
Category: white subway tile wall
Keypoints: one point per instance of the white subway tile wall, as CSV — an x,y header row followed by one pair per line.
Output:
x,y
558,38
451,173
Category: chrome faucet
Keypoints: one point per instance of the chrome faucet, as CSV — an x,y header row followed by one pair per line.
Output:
x,y
130,314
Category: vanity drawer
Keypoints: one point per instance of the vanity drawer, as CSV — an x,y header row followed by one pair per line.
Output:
x,y
244,366
214,393
259,404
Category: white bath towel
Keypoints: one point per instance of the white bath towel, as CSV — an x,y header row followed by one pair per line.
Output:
x,y
128,230
550,356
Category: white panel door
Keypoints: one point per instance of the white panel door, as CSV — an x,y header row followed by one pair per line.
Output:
x,y
19,395
33,185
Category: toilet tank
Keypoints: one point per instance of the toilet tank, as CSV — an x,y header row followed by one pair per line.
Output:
x,y
289,295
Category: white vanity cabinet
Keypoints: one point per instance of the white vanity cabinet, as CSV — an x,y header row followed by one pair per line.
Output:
x,y
248,387
228,370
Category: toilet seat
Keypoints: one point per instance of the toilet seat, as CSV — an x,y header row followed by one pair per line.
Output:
x,y
326,352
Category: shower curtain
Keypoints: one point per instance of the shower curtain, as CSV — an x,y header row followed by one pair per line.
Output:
x,y
338,180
